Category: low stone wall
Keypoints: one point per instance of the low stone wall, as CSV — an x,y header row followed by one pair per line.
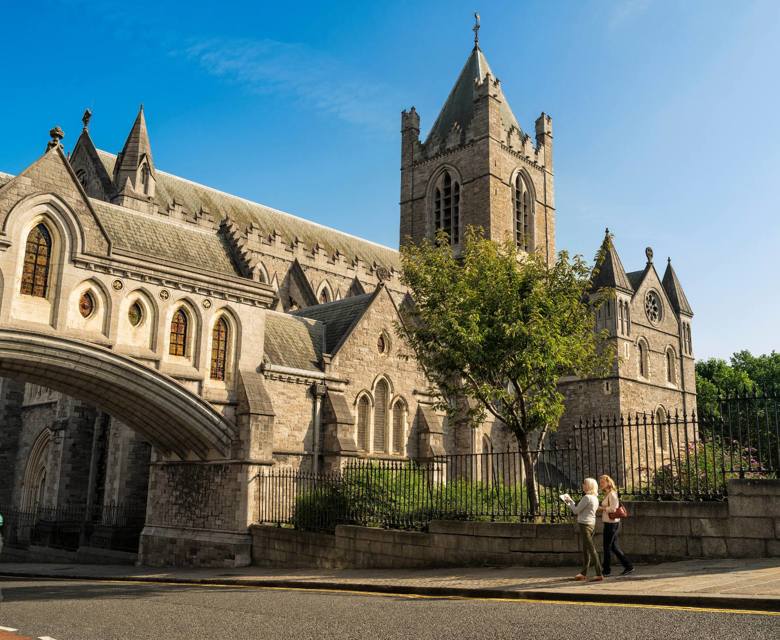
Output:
x,y
748,526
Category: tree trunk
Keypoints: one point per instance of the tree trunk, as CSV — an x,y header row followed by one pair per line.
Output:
x,y
529,460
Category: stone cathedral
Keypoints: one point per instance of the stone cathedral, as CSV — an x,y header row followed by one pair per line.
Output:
x,y
283,326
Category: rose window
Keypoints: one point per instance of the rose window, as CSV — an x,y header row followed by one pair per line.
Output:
x,y
653,307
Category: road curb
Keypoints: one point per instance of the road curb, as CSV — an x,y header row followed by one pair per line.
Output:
x,y
688,600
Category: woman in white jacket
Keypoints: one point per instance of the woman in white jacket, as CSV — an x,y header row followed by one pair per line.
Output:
x,y
611,527
585,510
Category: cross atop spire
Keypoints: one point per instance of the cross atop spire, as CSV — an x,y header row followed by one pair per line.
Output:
x,y
475,29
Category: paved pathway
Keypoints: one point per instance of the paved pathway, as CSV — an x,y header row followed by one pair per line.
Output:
x,y
728,583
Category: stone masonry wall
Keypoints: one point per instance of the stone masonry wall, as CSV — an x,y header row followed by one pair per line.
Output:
x,y
747,527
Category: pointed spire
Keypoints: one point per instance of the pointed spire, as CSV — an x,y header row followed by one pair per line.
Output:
x,y
609,272
675,291
137,146
460,104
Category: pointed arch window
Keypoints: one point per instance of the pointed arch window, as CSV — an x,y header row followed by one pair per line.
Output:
x,y
381,396
670,366
446,207
219,346
643,359
37,261
363,417
179,333
145,173
523,213
325,296
399,420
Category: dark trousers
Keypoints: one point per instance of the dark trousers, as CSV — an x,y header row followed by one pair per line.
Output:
x,y
610,536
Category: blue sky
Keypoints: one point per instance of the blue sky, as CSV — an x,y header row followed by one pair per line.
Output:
x,y
666,115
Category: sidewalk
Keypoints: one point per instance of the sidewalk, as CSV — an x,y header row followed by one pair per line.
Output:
x,y
727,584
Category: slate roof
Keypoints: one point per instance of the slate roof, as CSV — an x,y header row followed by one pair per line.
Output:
x,y
675,291
338,316
459,106
635,278
293,342
180,243
195,197
610,272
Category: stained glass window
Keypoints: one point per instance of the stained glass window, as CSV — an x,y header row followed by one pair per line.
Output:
x,y
135,314
86,304
178,345
37,255
219,344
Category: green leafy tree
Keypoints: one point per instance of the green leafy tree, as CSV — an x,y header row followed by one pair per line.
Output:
x,y
745,373
498,331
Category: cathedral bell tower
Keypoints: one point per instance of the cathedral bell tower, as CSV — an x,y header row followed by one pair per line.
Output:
x,y
477,167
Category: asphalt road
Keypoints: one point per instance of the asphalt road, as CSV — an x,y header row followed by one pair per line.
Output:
x,y
82,610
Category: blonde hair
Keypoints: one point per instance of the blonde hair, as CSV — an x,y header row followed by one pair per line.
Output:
x,y
611,486
590,486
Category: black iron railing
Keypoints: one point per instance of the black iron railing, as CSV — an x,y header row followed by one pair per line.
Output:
x,y
650,456
68,527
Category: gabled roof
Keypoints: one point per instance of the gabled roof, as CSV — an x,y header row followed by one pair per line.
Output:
x,y
339,317
195,197
459,106
136,147
609,273
292,341
675,291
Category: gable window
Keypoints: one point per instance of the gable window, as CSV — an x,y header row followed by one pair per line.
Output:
x,y
363,417
37,258
446,207
219,344
523,214
178,341
380,415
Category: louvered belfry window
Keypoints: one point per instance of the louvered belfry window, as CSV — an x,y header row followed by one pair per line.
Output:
x,y
37,258
364,414
446,207
523,214
399,409
380,415
178,345
219,344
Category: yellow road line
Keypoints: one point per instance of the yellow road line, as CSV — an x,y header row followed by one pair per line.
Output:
x,y
417,596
